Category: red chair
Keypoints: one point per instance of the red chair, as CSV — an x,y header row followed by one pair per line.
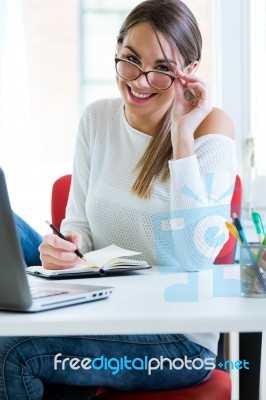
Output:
x,y
227,254
60,192
218,387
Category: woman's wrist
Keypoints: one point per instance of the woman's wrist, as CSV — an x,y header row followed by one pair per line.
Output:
x,y
183,145
182,153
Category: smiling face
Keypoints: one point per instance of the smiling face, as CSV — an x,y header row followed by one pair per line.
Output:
x,y
145,106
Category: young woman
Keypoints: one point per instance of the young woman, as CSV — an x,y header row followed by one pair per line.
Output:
x,y
158,155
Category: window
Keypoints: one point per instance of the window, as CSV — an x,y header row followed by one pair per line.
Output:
x,y
100,22
240,58
247,103
258,81
39,96
256,143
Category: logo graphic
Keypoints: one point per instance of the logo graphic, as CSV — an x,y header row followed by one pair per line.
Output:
x,y
189,239
238,364
116,365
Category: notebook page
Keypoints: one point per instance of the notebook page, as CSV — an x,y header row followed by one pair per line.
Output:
x,y
101,256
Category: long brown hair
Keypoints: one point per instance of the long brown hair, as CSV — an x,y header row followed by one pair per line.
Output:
x,y
177,23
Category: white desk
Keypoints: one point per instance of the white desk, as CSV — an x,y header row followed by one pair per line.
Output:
x,y
137,305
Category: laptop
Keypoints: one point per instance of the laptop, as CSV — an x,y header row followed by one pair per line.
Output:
x,y
17,293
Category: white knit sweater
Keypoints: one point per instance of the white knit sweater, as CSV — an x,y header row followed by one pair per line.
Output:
x,y
180,227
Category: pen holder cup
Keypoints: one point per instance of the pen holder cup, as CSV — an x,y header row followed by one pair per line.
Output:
x,y
253,270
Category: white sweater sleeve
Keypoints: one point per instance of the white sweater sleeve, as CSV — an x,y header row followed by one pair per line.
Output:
x,y
201,191
76,219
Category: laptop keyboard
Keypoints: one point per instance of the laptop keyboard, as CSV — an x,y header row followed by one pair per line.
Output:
x,y
44,293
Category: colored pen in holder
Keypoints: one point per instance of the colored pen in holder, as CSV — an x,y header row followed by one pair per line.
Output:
x,y
257,221
254,258
252,276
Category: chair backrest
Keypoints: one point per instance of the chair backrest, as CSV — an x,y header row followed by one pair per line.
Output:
x,y
227,254
60,192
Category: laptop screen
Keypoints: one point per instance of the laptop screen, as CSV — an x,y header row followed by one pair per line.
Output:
x,y
14,287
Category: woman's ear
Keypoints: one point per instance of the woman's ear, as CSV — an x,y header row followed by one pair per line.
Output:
x,y
192,67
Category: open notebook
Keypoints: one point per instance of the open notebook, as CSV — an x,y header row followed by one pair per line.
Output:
x,y
109,260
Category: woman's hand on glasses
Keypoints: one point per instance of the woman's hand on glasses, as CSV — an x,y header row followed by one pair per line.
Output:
x,y
190,107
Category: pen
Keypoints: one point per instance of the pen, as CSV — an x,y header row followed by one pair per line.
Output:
x,y
260,257
243,237
251,253
232,229
78,253
240,229
257,221
256,257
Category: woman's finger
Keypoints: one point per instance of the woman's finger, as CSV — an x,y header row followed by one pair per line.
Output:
x,y
59,243
57,253
189,77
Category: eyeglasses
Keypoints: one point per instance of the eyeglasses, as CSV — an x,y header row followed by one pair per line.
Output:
x,y
130,72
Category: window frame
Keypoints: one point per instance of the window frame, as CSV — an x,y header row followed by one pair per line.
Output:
x,y
233,41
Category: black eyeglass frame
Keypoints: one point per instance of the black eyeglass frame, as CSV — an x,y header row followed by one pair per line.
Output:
x,y
172,76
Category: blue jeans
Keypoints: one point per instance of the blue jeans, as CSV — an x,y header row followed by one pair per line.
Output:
x,y
28,363
29,240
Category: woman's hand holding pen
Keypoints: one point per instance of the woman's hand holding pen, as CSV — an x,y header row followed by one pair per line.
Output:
x,y
57,253
188,112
